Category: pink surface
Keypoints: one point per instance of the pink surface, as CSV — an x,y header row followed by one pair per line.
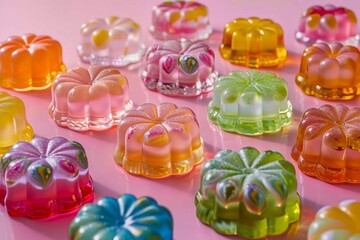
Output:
x,y
62,21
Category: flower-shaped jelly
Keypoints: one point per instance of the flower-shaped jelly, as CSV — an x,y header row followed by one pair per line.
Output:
x,y
330,71
250,103
328,24
180,68
110,41
29,62
337,222
328,143
44,177
13,124
158,141
89,99
248,194
173,20
126,217
253,42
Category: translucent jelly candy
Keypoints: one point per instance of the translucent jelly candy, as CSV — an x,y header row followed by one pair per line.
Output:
x,y
327,144
89,99
158,141
250,103
13,124
248,194
180,68
126,217
328,24
29,62
180,19
330,71
337,222
44,177
110,41
254,43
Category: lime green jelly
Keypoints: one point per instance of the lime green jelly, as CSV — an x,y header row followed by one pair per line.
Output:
x,y
250,103
248,194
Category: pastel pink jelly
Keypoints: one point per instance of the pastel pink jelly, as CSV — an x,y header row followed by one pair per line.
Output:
x,y
44,177
328,24
89,99
180,19
180,68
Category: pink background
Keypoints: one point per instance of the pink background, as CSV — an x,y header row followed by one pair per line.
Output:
x,y
62,21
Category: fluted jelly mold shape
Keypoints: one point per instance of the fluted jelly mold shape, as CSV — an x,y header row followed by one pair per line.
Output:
x,y
125,217
327,144
253,42
250,103
180,68
14,126
111,41
330,71
44,177
328,23
157,141
248,193
29,62
89,99
336,222
173,20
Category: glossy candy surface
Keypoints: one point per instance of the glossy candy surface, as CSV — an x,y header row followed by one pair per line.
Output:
x,y
180,68
248,194
328,24
13,124
253,42
337,222
44,177
29,62
250,103
124,218
110,41
330,71
159,140
180,19
89,99
328,145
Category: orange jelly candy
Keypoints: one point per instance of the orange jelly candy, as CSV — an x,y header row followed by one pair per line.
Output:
x,y
29,62
254,43
159,140
328,144
330,71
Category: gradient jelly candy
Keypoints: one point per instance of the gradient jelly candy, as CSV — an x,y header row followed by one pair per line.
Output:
x,y
13,124
336,222
159,140
180,68
328,24
29,62
110,41
330,71
180,19
250,103
125,217
89,99
44,177
253,42
328,145
247,193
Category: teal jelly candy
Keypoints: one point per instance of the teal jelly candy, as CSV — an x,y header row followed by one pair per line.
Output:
x,y
248,194
124,218
250,103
